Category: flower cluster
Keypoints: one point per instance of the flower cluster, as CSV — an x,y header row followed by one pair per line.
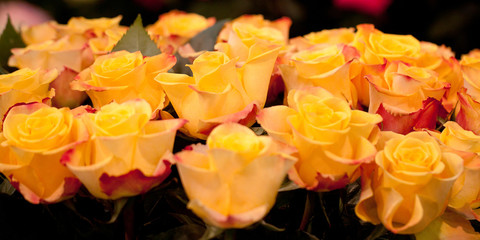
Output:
x,y
398,113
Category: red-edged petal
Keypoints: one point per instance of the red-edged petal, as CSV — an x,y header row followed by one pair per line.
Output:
x,y
133,182
245,117
405,123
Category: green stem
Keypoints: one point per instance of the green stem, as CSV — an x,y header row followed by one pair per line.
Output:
x,y
307,212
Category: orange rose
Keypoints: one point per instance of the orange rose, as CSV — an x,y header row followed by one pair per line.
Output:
x,y
326,66
410,184
333,141
465,191
329,36
34,138
442,60
24,86
407,97
127,154
232,181
175,28
122,76
282,24
219,91
375,46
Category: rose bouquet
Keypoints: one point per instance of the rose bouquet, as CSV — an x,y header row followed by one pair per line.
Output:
x,y
192,128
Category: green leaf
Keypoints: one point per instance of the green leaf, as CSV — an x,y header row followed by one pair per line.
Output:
x,y
211,232
137,39
206,39
8,40
5,186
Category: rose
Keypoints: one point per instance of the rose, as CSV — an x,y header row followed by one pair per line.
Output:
x,y
333,141
411,183
407,97
34,138
104,44
246,39
39,33
101,34
62,53
219,91
465,191
323,65
282,24
127,154
232,181
23,86
375,46
175,28
66,55
122,76
442,60
470,64
328,36
89,28
469,106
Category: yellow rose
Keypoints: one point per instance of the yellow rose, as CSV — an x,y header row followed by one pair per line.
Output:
x,y
465,191
232,182
219,91
333,141
122,76
376,47
467,112
282,24
323,65
39,33
89,28
24,86
442,60
104,44
407,97
177,27
411,184
246,39
34,138
63,53
329,36
127,153
470,64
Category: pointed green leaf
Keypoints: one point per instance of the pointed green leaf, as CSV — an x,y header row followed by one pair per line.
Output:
x,y
137,39
207,38
5,186
8,40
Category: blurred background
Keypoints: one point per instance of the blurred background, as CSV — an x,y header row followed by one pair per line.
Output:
x,y
452,23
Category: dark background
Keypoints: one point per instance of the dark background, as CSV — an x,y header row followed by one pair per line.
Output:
x,y
453,23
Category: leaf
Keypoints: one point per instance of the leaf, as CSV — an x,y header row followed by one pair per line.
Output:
x,y
5,186
204,41
211,232
8,40
259,131
288,186
137,39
